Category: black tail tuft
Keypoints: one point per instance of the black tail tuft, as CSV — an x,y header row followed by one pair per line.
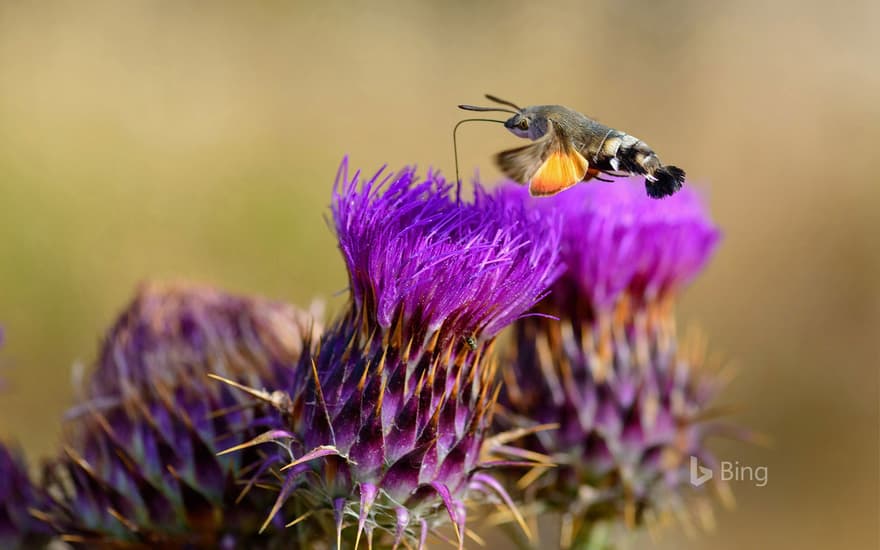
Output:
x,y
669,180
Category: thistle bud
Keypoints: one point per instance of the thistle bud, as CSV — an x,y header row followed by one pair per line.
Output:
x,y
140,464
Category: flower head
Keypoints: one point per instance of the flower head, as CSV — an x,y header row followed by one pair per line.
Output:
x,y
385,426
140,464
604,365
18,496
413,252
617,240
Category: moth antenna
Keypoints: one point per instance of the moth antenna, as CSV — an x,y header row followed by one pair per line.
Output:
x,y
455,150
496,99
486,109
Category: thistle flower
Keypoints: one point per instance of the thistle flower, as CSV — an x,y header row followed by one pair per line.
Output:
x,y
609,373
617,242
385,424
140,464
18,495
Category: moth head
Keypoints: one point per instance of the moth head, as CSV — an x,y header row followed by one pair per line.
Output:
x,y
527,124
519,124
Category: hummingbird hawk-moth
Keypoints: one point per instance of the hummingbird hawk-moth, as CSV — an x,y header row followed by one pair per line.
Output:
x,y
568,147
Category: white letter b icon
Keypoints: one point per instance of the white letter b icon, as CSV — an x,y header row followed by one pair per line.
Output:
x,y
699,474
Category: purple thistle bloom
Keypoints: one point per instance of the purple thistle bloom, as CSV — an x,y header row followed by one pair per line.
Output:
x,y
140,464
617,240
18,496
386,423
609,372
412,251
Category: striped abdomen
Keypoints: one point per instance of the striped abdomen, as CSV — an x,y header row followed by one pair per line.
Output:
x,y
620,152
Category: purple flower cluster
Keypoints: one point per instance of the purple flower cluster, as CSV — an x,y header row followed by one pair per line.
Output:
x,y
386,427
617,240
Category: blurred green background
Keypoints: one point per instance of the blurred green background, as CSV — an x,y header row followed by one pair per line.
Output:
x,y
143,140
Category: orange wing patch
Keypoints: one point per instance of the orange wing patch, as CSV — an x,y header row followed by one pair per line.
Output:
x,y
561,170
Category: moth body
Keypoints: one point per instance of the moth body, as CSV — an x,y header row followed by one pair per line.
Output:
x,y
568,147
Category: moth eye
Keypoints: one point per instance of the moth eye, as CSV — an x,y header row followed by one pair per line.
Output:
x,y
523,124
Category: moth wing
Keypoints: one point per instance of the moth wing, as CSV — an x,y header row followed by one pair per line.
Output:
x,y
520,164
549,164
562,168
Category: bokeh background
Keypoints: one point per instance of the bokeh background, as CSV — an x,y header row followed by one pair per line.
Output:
x,y
145,140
